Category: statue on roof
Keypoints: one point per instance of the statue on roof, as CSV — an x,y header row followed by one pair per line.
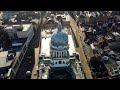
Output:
x,y
59,26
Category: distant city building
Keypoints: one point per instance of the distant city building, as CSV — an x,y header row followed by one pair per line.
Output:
x,y
19,35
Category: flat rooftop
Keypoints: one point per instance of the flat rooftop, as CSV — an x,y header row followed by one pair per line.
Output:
x,y
45,43
25,26
71,45
45,48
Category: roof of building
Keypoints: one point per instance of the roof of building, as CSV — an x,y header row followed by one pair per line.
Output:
x,y
71,45
25,26
45,46
46,39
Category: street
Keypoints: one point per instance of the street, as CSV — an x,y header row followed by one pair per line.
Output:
x,y
80,48
29,62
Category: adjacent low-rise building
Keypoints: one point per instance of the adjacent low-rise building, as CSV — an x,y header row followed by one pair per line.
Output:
x,y
20,36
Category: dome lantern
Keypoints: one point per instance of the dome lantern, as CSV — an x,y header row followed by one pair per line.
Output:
x,y
59,27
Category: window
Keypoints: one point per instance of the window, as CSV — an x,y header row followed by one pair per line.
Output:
x,y
56,63
62,54
40,58
67,53
57,54
63,62
60,62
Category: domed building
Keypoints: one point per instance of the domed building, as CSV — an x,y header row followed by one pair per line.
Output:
x,y
59,48
57,58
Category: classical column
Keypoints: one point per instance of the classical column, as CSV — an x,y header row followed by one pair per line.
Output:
x,y
58,54
53,53
66,53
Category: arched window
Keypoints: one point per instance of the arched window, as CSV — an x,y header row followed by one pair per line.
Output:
x,y
63,62
55,54
64,54
58,54
60,62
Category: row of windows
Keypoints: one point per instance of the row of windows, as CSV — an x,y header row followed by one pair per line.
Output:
x,y
60,54
60,62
